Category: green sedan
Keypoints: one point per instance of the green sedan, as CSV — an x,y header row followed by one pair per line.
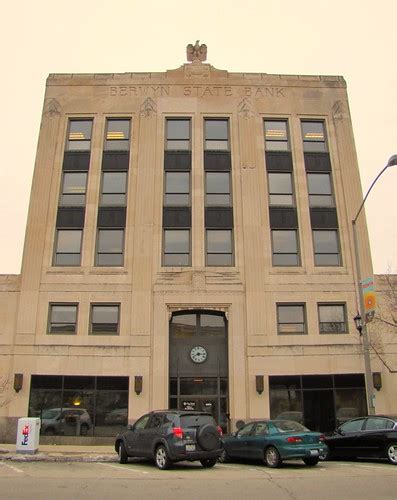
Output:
x,y
274,441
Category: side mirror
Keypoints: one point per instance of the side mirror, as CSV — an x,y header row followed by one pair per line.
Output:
x,y
130,427
340,431
234,434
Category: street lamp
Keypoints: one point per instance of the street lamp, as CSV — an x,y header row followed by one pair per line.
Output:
x,y
360,318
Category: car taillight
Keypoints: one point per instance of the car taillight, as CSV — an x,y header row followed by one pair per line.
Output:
x,y
219,429
178,432
321,438
294,439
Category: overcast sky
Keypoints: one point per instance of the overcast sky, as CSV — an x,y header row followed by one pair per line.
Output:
x,y
353,38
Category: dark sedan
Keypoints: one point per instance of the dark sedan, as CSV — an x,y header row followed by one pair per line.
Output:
x,y
274,441
365,437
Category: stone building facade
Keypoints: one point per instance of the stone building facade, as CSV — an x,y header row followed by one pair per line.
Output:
x,y
188,245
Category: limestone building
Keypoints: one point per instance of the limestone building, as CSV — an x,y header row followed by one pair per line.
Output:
x,y
188,245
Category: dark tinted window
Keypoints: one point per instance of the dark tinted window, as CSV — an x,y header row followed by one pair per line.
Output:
x,y
246,429
196,420
353,426
374,424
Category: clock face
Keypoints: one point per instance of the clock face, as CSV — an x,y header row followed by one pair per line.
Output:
x,y
198,354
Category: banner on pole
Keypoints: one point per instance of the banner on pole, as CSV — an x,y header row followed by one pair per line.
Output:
x,y
369,298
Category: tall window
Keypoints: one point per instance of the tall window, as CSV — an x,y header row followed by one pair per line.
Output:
x,y
79,135
117,134
276,135
285,247
313,133
177,134
105,319
280,189
326,248
62,318
114,189
176,247
110,247
216,133
177,189
73,192
217,189
291,318
68,247
219,247
332,318
320,190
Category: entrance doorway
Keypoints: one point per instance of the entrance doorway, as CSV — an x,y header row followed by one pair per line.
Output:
x,y
199,364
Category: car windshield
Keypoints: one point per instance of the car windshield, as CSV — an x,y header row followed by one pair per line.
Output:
x,y
289,426
50,414
196,420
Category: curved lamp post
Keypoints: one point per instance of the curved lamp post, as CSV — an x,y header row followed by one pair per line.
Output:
x,y
360,318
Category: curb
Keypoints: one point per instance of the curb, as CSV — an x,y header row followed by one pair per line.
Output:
x,y
44,457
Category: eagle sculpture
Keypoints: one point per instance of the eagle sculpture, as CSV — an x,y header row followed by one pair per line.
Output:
x,y
196,52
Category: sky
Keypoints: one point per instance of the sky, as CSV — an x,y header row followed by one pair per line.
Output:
x,y
353,38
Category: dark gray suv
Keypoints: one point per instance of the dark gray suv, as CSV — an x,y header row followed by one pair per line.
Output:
x,y
171,436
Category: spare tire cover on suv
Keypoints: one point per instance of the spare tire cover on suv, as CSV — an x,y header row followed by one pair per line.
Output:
x,y
208,437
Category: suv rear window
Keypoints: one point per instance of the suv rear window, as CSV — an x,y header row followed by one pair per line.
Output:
x,y
196,420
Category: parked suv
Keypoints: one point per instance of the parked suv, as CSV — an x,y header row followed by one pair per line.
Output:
x,y
171,436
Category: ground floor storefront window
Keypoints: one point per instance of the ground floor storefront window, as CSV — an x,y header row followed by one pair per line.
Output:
x,y
320,402
79,406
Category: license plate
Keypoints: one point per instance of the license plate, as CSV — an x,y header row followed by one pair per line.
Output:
x,y
314,453
190,447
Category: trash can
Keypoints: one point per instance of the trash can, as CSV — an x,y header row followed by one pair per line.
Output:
x,y
28,435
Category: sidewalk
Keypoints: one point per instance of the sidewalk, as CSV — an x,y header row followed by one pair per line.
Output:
x,y
61,453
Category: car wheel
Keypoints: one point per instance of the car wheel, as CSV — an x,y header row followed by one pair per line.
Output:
x,y
208,437
311,461
391,452
84,430
223,457
208,462
161,458
123,457
272,457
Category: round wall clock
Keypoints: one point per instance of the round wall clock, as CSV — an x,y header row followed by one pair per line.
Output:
x,y
198,354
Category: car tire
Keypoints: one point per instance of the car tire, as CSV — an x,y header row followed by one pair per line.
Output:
x,y
272,457
208,437
224,457
207,463
161,458
391,453
311,461
123,456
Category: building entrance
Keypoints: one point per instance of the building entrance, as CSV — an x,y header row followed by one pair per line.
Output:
x,y
199,364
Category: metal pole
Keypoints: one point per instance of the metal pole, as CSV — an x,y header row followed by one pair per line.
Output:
x,y
369,386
